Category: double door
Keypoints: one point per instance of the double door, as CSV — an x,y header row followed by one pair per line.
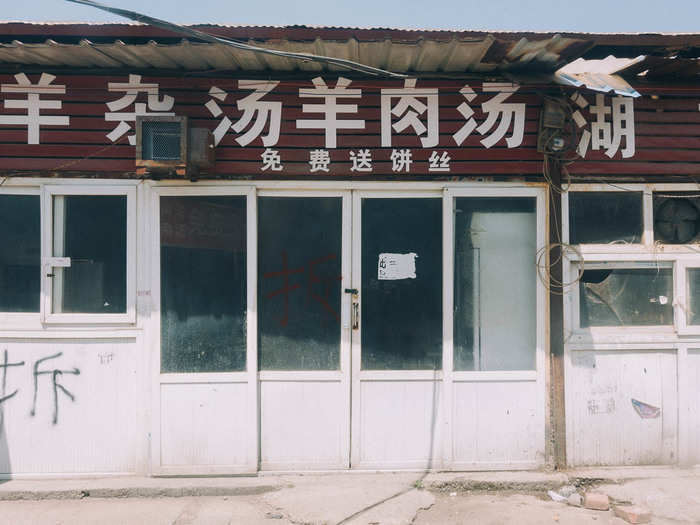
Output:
x,y
370,329
350,329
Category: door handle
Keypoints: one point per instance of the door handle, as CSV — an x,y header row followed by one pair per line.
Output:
x,y
355,315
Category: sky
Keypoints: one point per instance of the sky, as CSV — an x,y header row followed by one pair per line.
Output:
x,y
593,16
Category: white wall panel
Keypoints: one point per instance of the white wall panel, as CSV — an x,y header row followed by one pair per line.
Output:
x,y
302,425
603,426
102,429
204,424
399,424
496,424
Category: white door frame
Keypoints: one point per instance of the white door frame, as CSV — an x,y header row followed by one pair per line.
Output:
x,y
342,375
247,377
359,375
507,377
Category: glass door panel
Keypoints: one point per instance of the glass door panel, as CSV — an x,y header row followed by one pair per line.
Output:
x,y
401,284
299,274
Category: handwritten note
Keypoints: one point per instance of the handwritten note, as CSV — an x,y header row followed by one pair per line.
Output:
x,y
393,266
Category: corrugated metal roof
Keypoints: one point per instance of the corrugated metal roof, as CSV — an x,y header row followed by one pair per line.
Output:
x,y
652,67
479,55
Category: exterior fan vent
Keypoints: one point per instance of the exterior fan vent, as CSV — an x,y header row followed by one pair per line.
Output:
x,y
676,220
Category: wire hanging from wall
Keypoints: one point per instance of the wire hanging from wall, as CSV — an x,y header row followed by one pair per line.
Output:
x,y
567,135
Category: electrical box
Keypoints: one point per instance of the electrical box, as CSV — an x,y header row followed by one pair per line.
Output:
x,y
552,134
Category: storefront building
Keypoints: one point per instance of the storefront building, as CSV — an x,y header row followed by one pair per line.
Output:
x,y
217,262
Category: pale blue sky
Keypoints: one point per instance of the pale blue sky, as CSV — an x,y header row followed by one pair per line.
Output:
x,y
513,15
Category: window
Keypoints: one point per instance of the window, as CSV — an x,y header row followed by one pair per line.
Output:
x,y
637,260
20,252
625,295
602,217
88,254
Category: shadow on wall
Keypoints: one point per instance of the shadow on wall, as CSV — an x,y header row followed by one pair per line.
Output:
x,y
5,466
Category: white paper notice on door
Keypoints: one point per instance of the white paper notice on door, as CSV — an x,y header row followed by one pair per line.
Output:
x,y
393,266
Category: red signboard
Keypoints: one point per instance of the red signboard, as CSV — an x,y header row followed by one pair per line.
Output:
x,y
333,126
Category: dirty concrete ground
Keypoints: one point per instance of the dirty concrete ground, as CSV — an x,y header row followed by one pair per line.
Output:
x,y
672,495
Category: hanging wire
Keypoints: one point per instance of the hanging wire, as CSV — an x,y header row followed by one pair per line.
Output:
x,y
193,33
564,252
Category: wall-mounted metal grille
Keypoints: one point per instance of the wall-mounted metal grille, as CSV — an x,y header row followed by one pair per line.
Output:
x,y
161,140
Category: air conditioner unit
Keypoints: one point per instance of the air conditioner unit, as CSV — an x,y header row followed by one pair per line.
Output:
x,y
166,145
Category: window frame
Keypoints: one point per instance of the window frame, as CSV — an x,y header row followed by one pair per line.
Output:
x,y
48,261
605,331
679,256
682,303
24,320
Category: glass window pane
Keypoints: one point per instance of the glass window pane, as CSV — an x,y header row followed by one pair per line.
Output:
x,y
626,297
20,253
203,284
91,230
299,275
401,306
693,314
495,279
603,217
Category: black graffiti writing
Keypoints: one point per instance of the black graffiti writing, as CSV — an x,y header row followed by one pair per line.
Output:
x,y
55,374
4,396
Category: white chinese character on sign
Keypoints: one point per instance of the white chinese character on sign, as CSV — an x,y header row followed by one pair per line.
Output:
x,y
155,105
497,109
606,133
401,159
361,161
468,113
330,108
255,111
410,109
33,104
319,159
213,106
271,160
262,111
439,162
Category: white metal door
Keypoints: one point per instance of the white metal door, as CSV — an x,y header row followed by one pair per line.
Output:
x,y
304,329
203,325
397,330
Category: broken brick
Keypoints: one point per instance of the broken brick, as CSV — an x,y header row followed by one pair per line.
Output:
x,y
574,500
633,513
596,501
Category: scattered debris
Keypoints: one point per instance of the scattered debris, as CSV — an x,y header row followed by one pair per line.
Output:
x,y
575,500
555,496
596,501
567,490
633,513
